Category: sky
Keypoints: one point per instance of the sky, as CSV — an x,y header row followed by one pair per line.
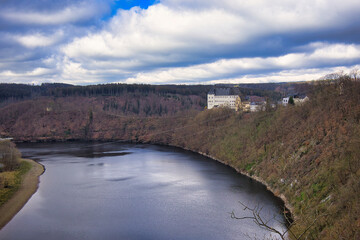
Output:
x,y
86,42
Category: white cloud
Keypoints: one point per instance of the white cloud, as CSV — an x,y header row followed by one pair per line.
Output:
x,y
305,74
281,68
217,71
337,52
35,72
74,73
34,76
158,33
279,14
38,39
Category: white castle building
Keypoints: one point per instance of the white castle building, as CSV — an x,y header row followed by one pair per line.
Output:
x,y
222,97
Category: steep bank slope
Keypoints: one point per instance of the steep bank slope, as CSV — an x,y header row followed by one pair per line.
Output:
x,y
309,153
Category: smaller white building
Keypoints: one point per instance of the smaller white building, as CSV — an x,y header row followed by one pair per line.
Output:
x,y
5,139
254,107
301,100
285,101
221,97
297,100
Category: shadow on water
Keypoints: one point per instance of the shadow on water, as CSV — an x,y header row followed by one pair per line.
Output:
x,y
119,179
76,149
89,154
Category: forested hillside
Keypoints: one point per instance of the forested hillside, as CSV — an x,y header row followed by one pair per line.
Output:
x,y
64,112
16,92
87,117
309,153
11,93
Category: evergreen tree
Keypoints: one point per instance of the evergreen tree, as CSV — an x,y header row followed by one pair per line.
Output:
x,y
291,101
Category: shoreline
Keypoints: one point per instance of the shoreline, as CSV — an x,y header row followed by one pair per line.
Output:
x,y
282,197
255,178
29,185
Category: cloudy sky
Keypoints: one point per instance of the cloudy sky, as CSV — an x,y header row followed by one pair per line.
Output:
x,y
176,41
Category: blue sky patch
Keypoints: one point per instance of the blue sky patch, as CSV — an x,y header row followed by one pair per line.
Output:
x,y
127,4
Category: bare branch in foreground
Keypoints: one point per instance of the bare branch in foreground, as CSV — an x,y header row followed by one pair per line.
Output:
x,y
261,222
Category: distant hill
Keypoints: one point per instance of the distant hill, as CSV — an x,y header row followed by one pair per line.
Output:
x,y
19,92
62,111
23,91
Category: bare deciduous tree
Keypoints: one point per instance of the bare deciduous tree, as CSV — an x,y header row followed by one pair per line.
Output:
x,y
255,215
355,74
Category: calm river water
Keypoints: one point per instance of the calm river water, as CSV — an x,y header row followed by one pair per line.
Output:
x,y
128,191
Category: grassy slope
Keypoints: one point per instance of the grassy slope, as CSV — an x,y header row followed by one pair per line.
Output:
x,y
11,181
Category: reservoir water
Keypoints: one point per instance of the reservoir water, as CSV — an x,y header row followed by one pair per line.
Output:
x,y
128,191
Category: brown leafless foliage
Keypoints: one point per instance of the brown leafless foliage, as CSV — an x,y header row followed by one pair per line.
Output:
x,y
9,155
258,219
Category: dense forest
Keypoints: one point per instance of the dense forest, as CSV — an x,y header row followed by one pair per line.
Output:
x,y
15,92
64,112
20,92
309,153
